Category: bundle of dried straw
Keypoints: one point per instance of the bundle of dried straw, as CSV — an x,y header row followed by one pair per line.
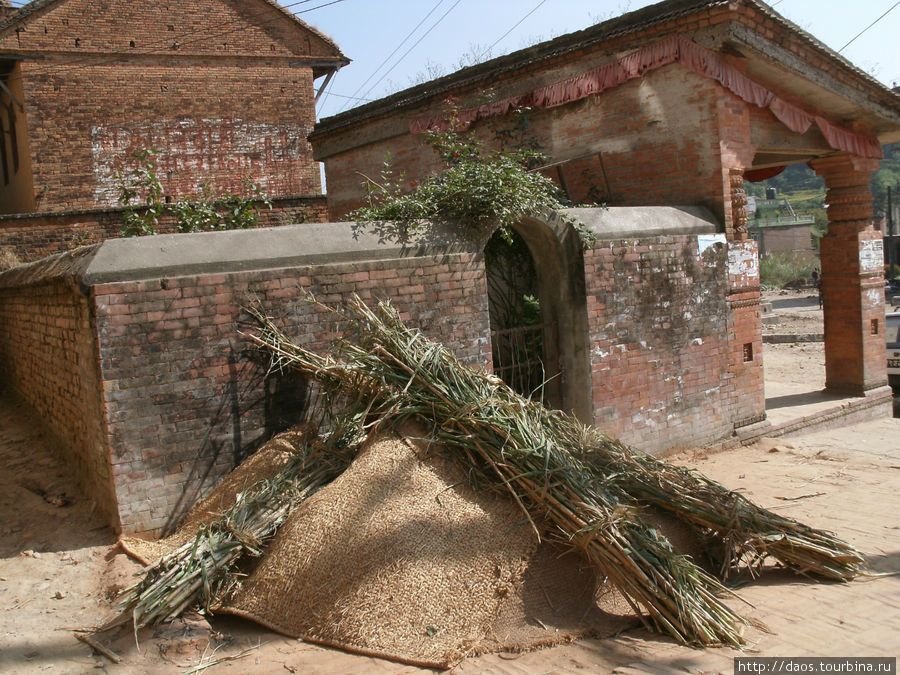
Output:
x,y
201,571
573,483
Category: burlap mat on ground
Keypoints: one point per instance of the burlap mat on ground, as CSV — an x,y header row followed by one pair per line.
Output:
x,y
263,464
397,558
400,558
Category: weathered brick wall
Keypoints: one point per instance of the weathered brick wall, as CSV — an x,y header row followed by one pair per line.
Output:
x,y
48,360
220,106
185,404
35,236
660,348
645,142
207,119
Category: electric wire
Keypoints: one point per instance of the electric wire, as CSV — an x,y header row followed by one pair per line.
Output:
x,y
391,55
517,24
869,26
416,44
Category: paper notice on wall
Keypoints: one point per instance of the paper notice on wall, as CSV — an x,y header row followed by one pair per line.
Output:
x,y
704,241
743,262
750,208
871,255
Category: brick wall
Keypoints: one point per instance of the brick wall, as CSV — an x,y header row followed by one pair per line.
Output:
x,y
48,359
149,379
219,106
184,403
148,386
35,236
647,142
660,346
208,121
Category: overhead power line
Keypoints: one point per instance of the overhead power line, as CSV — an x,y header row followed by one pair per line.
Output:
x,y
517,24
416,44
391,55
869,26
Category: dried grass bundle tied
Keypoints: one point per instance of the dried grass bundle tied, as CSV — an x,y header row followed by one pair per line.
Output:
x,y
202,570
746,533
512,444
587,487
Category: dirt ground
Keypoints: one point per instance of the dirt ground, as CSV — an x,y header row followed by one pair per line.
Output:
x,y
60,567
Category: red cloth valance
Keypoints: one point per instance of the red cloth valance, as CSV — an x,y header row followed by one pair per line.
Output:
x,y
756,175
669,50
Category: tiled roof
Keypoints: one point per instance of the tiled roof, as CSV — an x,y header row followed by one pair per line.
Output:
x,y
629,23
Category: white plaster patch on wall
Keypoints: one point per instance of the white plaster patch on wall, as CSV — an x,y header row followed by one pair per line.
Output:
x,y
742,260
189,150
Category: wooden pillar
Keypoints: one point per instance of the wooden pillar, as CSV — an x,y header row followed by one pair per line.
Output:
x,y
852,278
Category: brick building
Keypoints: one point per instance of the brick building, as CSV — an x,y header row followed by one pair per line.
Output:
x,y
131,350
223,90
675,103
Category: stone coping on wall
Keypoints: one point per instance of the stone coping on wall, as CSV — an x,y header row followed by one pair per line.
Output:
x,y
71,264
138,258
232,251
627,222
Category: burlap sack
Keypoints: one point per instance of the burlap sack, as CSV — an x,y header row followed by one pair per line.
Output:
x,y
400,558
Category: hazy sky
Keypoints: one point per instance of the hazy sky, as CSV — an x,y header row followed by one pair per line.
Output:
x,y
372,33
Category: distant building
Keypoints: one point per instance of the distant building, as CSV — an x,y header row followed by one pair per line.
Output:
x,y
778,229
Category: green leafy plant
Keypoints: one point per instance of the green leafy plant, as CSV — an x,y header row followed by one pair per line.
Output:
x,y
778,269
226,212
141,184
480,190
208,212
197,215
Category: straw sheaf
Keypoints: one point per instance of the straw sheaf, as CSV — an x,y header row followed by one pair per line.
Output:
x,y
264,463
591,488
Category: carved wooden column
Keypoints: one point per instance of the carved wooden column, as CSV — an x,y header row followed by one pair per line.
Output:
x,y
852,278
738,205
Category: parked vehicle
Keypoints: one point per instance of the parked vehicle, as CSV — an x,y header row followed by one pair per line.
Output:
x,y
893,349
892,291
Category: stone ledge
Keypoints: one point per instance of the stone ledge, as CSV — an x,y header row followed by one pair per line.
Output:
x,y
876,403
787,338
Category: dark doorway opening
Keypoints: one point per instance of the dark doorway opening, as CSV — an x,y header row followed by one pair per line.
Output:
x,y
522,340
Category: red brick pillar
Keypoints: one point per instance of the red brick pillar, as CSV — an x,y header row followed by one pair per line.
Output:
x,y
748,398
852,278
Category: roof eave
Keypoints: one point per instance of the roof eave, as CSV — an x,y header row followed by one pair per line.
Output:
x,y
631,23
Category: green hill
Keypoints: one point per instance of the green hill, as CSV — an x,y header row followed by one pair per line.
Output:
x,y
806,191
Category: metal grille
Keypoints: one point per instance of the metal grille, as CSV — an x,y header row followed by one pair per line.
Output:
x,y
519,358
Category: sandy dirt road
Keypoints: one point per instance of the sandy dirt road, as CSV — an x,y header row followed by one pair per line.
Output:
x,y
60,568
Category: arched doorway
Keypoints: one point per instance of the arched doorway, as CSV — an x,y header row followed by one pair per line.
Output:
x,y
538,311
